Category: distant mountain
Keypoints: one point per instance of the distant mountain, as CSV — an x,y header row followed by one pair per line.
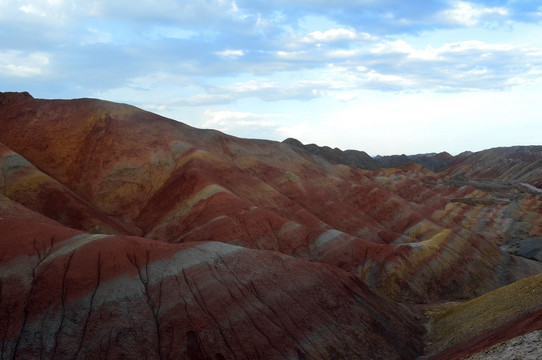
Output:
x,y
514,164
361,160
518,163
435,162
352,158
125,234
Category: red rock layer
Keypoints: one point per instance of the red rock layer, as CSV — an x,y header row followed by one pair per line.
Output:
x,y
67,294
27,185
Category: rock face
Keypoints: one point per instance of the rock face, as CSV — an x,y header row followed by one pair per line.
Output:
x,y
127,234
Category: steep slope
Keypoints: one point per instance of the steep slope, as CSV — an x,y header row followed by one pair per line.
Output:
x,y
24,183
71,294
505,313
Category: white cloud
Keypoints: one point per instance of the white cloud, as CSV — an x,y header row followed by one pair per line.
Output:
x,y
430,53
31,9
388,80
389,66
234,54
461,65
205,99
479,46
52,12
94,36
237,122
390,47
425,122
263,89
342,54
198,14
467,14
333,35
14,63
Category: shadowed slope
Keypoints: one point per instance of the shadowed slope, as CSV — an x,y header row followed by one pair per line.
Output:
x,y
71,294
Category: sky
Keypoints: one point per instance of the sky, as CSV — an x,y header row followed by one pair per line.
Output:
x,y
382,76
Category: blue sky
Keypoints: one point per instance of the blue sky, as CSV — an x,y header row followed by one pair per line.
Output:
x,y
383,76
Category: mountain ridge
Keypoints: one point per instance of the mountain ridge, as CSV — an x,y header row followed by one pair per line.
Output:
x,y
112,177
435,162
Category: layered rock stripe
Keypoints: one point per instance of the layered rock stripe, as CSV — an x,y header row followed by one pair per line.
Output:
x,y
76,295
410,234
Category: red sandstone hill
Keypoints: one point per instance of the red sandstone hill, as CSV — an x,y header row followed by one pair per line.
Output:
x,y
126,234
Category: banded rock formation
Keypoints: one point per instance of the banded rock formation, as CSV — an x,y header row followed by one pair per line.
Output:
x,y
68,294
207,243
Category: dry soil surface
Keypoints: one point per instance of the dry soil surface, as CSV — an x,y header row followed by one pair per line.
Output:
x,y
526,347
